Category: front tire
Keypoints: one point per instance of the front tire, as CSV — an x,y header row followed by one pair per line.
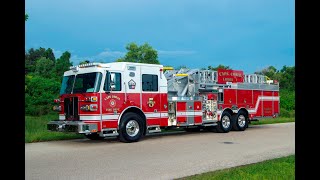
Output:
x,y
131,128
225,123
240,121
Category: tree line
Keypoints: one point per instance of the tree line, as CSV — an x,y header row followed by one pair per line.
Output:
x,y
43,76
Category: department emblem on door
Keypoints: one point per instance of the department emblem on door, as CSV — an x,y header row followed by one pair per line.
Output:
x,y
151,102
132,84
112,103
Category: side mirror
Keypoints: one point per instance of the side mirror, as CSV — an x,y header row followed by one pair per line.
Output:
x,y
107,83
107,88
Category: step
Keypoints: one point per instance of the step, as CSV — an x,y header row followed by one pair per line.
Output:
x,y
153,129
210,124
109,132
209,121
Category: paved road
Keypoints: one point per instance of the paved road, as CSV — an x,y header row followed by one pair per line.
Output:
x,y
157,157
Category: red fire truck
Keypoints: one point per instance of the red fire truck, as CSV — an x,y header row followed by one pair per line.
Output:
x,y
130,100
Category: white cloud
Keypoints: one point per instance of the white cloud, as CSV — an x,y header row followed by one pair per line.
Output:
x,y
105,56
109,56
175,53
56,53
109,53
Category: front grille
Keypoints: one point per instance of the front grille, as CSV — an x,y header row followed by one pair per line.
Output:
x,y
71,128
71,108
52,127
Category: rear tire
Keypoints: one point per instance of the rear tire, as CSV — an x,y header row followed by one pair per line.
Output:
x,y
225,123
131,128
94,136
240,121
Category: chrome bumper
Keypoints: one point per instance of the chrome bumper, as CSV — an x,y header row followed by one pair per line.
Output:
x,y
72,126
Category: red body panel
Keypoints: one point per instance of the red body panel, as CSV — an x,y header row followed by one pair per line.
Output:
x,y
151,110
244,98
198,109
181,119
113,103
163,109
259,103
276,104
181,107
267,104
110,124
257,107
230,97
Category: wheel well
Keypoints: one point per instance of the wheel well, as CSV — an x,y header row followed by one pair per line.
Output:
x,y
227,110
140,113
245,111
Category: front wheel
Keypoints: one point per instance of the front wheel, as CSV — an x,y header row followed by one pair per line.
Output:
x,y
224,125
131,128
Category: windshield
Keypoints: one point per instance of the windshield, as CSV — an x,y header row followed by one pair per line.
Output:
x,y
81,83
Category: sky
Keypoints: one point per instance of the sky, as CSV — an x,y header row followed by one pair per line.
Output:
x,y
246,35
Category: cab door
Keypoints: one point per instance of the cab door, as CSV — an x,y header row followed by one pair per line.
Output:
x,y
132,86
150,93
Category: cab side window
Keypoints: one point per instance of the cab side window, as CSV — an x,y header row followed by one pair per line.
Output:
x,y
149,82
114,82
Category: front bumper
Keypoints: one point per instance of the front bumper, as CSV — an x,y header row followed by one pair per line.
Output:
x,y
72,126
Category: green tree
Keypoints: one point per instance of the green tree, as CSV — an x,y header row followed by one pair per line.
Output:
x,y
44,67
140,54
26,16
31,56
63,64
270,71
287,78
220,66
50,55
84,62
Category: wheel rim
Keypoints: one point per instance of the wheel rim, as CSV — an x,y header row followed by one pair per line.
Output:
x,y
241,121
132,128
225,122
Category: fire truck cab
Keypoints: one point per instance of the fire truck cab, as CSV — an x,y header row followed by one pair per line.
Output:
x,y
130,100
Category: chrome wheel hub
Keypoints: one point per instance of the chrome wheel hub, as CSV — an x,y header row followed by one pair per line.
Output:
x,y
241,121
132,128
225,122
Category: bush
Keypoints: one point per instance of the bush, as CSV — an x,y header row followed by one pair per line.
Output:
x,y
292,113
287,99
39,95
286,113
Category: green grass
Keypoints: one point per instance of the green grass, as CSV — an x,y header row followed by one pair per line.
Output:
x,y
36,130
273,120
280,168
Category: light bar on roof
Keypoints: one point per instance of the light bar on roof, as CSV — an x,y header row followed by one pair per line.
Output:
x,y
85,65
76,68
